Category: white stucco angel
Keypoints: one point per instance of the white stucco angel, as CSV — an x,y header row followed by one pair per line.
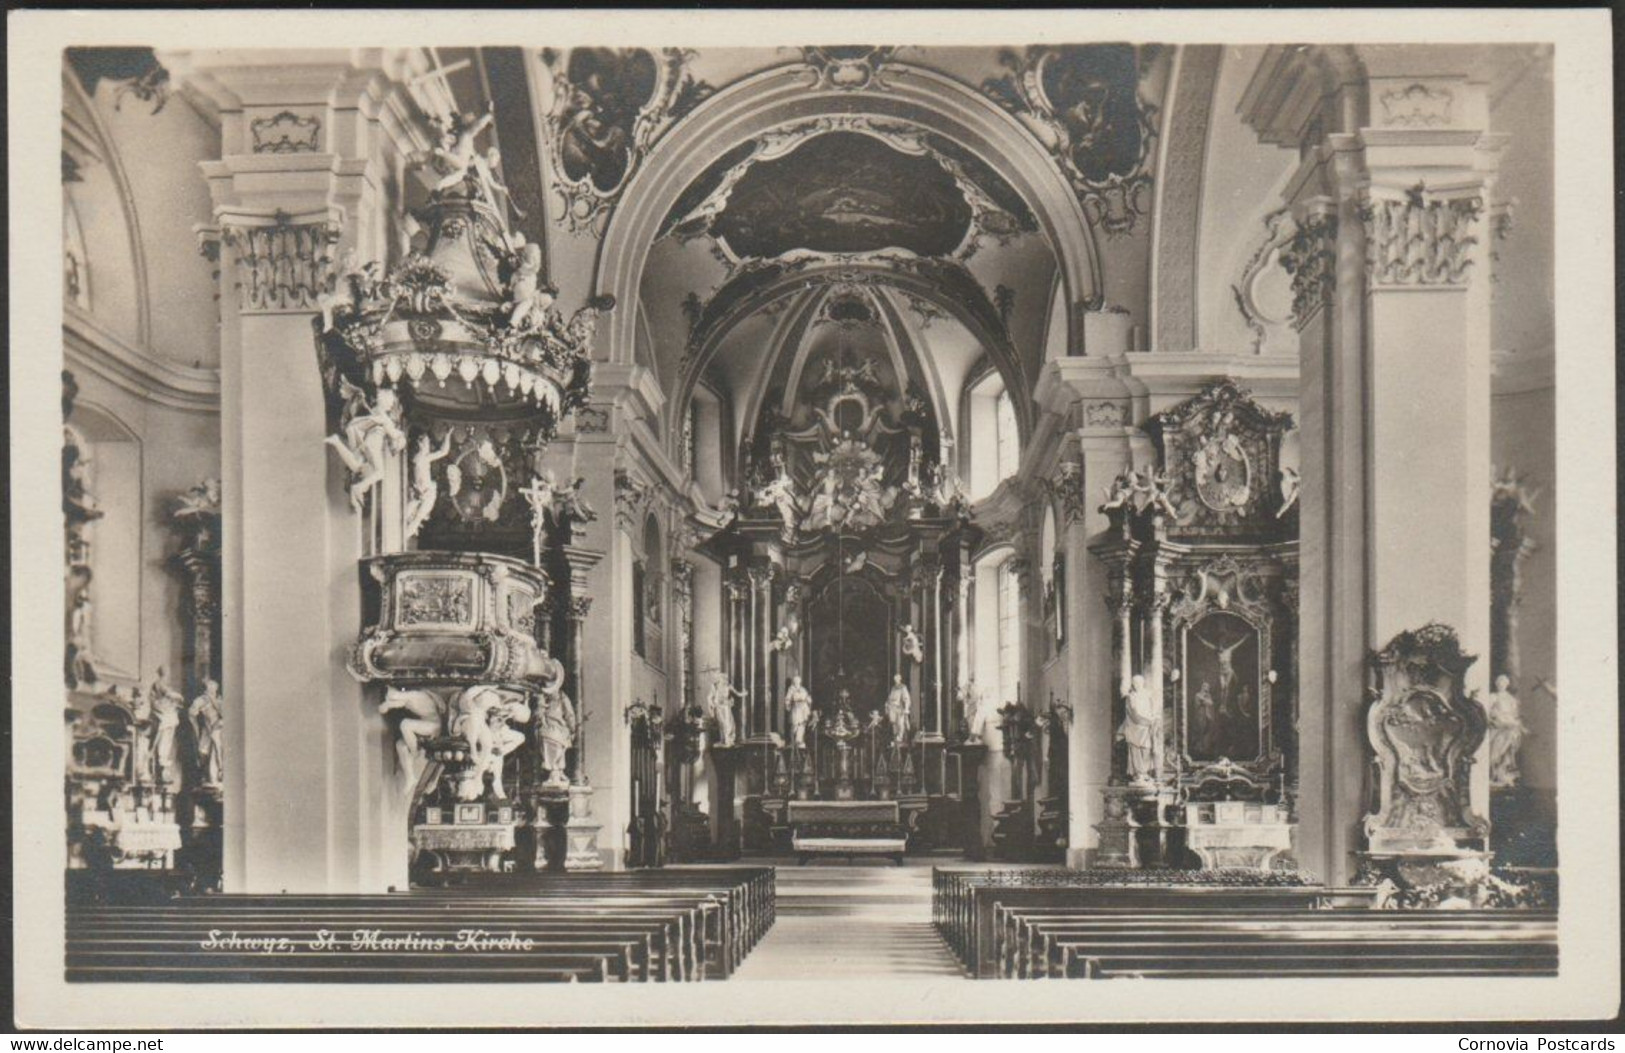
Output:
x,y
1119,492
1155,485
370,433
785,638
913,646
530,297
780,494
425,490
422,717
482,720
1290,481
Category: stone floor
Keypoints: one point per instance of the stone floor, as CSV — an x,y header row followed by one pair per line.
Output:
x,y
840,922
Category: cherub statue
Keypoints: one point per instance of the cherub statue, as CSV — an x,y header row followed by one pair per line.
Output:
x,y
785,638
371,433
913,646
1156,486
425,491
728,510
531,297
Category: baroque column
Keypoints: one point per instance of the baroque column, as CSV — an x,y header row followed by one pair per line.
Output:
x,y
308,806
1390,300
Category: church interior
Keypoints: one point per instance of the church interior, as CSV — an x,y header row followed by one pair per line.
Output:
x,y
1068,511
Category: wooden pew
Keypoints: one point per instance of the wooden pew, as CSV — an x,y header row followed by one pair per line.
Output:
x,y
681,924
1344,943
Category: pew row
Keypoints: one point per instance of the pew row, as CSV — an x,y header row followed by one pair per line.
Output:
x,y
678,925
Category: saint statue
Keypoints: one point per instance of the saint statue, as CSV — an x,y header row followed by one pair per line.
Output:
x,y
167,704
1506,733
141,766
798,700
970,698
899,709
1142,731
1205,723
425,490
558,723
719,706
422,717
208,722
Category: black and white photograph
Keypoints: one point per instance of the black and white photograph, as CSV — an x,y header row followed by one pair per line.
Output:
x,y
828,517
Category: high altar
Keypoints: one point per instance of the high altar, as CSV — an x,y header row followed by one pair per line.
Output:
x,y
847,563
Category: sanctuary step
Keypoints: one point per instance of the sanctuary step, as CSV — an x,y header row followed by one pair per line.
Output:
x,y
677,924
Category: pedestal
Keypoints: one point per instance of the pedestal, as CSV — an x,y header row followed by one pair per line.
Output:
x,y
581,832
1119,840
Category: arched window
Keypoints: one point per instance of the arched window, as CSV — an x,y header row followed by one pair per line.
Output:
x,y
994,437
997,642
648,596
1009,632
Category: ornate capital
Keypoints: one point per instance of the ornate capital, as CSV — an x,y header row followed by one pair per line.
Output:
x,y
1310,256
632,497
1420,239
282,265
1066,488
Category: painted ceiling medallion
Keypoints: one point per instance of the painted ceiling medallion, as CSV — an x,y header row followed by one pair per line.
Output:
x,y
609,106
844,192
1083,103
848,185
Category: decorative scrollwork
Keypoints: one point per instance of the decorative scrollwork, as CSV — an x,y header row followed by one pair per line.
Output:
x,y
1310,257
285,133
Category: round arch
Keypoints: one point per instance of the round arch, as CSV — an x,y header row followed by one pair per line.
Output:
x,y
782,95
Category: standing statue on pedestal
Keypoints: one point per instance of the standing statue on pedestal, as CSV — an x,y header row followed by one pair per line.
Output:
x,y
208,720
798,700
899,711
425,491
1506,733
719,706
371,431
970,701
167,705
558,724
1142,731
141,766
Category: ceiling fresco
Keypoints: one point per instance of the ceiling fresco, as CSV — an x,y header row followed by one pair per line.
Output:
x,y
847,193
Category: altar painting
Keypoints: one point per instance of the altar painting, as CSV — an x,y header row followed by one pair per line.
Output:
x,y
1222,689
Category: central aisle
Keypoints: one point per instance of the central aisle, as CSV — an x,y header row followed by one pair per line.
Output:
x,y
847,922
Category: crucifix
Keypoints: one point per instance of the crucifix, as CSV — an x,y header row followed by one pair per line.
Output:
x,y
539,495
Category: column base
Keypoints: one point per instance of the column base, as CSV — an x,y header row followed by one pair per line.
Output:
x,y
581,833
